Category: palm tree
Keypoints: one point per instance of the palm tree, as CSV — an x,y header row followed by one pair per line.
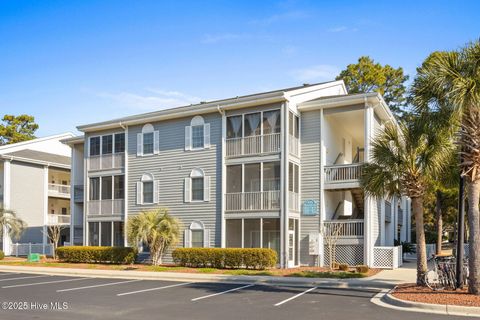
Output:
x,y
450,80
157,228
11,223
404,157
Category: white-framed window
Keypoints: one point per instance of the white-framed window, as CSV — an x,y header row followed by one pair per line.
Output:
x,y
197,134
196,236
197,186
148,141
147,189
107,144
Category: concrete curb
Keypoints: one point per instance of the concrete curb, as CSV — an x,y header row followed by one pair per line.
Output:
x,y
195,277
387,300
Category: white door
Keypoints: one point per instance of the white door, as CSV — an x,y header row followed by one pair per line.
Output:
x,y
291,248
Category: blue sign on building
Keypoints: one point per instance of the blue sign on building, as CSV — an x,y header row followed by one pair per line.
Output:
x,y
310,207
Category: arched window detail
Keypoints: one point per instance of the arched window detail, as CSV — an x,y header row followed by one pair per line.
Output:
x,y
147,189
148,141
197,135
197,186
196,236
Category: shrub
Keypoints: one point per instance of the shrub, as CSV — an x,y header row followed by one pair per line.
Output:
x,y
80,254
362,268
343,267
256,258
2,255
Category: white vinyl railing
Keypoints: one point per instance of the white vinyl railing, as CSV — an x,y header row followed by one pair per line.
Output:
x,y
344,228
106,161
343,172
293,201
106,207
293,145
24,249
59,189
266,143
253,201
56,219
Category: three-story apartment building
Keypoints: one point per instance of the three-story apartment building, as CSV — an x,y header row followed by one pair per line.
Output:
x,y
271,170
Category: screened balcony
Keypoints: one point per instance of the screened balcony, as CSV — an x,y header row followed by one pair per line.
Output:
x,y
253,187
253,134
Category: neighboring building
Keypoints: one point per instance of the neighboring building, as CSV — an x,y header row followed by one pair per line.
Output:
x,y
35,183
263,170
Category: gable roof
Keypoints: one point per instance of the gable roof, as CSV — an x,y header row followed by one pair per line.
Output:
x,y
211,106
38,157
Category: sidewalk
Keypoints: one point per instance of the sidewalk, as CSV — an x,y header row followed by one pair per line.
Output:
x,y
385,279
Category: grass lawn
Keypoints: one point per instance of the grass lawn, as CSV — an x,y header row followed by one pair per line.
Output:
x,y
305,272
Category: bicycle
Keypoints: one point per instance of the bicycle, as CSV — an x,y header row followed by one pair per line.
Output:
x,y
443,274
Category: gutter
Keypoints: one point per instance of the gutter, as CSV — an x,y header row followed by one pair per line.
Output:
x,y
40,162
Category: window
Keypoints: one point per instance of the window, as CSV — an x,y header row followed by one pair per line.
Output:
x,y
119,187
197,186
197,238
118,234
234,179
197,189
64,211
252,177
234,233
271,122
106,188
94,146
252,124
148,143
293,125
107,144
147,190
94,188
93,233
271,176
119,142
293,177
234,127
197,137
251,233
106,234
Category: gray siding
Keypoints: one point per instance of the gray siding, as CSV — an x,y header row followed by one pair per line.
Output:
x,y
27,199
172,165
310,177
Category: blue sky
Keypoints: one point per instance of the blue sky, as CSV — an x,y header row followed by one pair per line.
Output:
x,y
75,62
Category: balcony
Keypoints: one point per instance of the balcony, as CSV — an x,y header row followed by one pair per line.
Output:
x,y
340,176
58,219
78,193
106,207
253,201
344,228
106,161
59,190
253,145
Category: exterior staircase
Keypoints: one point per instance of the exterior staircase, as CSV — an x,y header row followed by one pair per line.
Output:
x,y
358,198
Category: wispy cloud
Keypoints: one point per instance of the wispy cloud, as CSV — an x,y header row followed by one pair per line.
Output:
x,y
341,29
280,17
316,73
151,99
215,38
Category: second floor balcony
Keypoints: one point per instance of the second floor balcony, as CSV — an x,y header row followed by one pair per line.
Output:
x,y
58,219
252,201
340,176
59,190
106,207
106,161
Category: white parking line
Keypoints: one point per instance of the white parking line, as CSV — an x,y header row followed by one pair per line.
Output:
x,y
8,273
295,296
223,292
45,282
153,289
97,285
20,278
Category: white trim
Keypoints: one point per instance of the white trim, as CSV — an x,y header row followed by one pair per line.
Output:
x,y
45,206
125,179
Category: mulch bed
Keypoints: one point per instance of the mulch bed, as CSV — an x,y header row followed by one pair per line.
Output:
x,y
411,292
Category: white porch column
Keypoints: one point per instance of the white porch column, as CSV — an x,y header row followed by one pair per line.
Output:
x,y
284,187
382,222
125,181
45,205
321,215
369,202
7,241
223,227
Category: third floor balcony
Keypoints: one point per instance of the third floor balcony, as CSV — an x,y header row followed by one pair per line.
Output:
x,y
106,161
253,145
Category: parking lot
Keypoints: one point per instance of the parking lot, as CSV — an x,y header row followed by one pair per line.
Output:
x,y
36,296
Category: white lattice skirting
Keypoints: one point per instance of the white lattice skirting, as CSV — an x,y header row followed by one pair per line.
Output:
x,y
349,254
387,257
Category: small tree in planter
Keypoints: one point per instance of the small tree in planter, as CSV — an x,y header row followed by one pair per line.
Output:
x,y
331,233
53,233
157,228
